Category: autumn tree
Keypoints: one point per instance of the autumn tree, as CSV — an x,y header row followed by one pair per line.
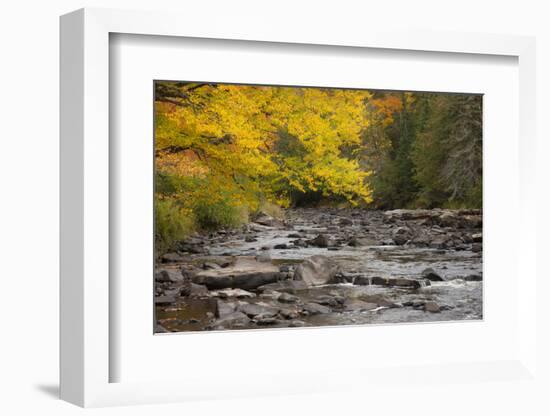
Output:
x,y
225,152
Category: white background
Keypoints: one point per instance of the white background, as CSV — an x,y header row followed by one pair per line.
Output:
x,y
29,172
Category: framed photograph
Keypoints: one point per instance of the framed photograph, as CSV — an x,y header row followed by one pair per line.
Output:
x,y
254,203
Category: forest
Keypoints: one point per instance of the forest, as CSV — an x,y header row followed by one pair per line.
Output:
x,y
226,153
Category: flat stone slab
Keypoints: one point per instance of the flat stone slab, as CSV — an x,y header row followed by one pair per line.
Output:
x,y
246,273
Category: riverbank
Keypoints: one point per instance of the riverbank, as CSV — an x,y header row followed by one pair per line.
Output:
x,y
325,267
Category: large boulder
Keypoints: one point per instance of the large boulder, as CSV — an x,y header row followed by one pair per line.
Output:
x,y
316,270
246,273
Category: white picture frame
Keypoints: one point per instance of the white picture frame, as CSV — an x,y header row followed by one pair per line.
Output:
x,y
86,356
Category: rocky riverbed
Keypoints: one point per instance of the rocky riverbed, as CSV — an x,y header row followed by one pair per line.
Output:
x,y
325,267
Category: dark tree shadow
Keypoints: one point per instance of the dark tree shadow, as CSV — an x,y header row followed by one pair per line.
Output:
x,y
51,390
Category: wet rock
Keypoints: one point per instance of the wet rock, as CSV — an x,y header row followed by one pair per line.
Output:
x,y
270,320
169,276
281,247
477,247
235,319
380,281
439,243
403,282
288,286
328,300
288,298
448,219
401,235
294,235
198,290
249,239
380,301
172,258
357,305
320,241
342,278
300,243
473,278
255,310
172,292
432,307
296,324
246,273
316,270
362,281
288,313
314,308
225,308
432,275
399,282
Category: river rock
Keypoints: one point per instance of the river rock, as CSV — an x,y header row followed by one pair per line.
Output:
x,y
316,270
380,301
432,307
281,247
287,298
362,280
439,243
332,301
288,286
264,321
169,276
477,238
398,281
314,308
477,247
172,258
432,275
357,305
320,241
255,310
289,313
401,235
225,308
235,319
246,273
473,278
198,290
